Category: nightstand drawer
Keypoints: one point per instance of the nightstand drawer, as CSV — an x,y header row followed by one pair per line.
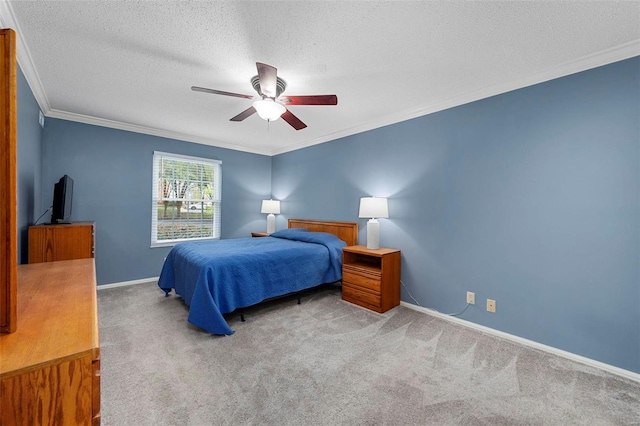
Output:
x,y
359,297
361,280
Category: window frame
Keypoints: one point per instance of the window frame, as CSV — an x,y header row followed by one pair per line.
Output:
x,y
156,197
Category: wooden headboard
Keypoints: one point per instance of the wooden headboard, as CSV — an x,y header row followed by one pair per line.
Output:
x,y
346,231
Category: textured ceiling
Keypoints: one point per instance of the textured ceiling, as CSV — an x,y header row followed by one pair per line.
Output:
x,y
130,64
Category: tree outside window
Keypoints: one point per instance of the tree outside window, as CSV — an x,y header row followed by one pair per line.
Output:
x,y
186,199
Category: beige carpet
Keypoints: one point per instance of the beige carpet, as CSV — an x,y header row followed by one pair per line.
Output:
x,y
327,362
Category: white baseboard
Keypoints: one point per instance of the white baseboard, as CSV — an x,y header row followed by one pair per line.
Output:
x,y
128,283
550,349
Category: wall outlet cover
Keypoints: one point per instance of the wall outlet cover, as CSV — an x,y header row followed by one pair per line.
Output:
x,y
471,298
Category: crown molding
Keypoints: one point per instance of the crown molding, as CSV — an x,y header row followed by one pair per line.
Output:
x,y
595,60
598,59
119,125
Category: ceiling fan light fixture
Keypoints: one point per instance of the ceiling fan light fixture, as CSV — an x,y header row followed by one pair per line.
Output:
x,y
269,87
268,109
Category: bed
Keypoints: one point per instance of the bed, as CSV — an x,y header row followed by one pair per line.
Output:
x,y
218,277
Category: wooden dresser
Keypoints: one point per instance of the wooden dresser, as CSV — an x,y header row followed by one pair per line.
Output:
x,y
371,277
50,243
50,367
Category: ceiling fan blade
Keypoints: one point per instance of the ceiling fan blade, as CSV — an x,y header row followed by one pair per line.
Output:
x,y
220,92
268,79
244,114
309,100
293,120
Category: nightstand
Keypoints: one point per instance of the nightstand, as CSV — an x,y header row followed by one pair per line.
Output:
x,y
371,277
259,234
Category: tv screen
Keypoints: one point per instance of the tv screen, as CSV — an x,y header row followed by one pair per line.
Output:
x,y
62,200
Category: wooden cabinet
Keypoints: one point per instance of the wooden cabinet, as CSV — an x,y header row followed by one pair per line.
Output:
x,y
8,179
371,278
50,243
50,369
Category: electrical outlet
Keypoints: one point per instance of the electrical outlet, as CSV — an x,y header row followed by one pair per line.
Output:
x,y
471,298
491,305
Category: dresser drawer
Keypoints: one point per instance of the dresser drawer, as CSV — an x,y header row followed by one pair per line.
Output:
x,y
359,297
362,280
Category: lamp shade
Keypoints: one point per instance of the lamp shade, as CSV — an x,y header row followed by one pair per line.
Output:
x,y
270,206
373,207
268,109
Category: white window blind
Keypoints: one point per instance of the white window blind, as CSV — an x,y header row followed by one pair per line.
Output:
x,y
186,198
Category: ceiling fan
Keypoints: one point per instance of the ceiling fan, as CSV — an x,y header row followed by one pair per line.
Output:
x,y
269,104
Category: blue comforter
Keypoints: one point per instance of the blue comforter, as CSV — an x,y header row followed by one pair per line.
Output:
x,y
217,277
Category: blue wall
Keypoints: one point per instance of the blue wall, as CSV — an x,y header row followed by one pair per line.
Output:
x,y
112,173
29,164
531,198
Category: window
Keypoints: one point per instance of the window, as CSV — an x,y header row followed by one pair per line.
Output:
x,y
186,199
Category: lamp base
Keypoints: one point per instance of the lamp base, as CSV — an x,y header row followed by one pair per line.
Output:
x,y
271,223
373,234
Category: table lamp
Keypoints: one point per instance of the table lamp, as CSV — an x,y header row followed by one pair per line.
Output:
x,y
373,208
271,207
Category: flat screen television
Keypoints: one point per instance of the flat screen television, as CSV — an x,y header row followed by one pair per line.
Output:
x,y
62,200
